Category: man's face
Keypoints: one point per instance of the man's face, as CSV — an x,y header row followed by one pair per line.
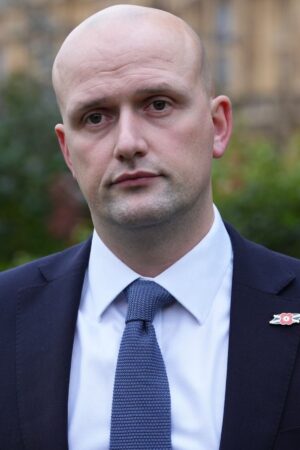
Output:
x,y
139,130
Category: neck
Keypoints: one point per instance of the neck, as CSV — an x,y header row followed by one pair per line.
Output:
x,y
151,250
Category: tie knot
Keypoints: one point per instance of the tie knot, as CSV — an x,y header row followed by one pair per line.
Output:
x,y
145,298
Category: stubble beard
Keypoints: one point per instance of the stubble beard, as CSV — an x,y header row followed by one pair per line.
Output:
x,y
147,213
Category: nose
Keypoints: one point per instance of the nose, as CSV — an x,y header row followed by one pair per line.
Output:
x,y
130,142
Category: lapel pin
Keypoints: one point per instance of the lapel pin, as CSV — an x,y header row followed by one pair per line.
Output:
x,y
285,319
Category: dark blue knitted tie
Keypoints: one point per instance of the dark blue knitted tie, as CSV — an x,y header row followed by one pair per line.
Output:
x,y
141,410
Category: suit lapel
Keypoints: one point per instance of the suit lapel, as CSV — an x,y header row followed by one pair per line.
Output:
x,y
46,320
260,361
261,356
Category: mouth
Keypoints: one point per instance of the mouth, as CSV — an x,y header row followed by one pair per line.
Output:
x,y
138,178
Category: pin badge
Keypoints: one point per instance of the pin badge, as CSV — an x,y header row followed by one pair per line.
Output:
x,y
285,319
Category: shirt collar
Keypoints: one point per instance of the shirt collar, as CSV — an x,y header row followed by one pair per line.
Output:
x,y
107,276
193,280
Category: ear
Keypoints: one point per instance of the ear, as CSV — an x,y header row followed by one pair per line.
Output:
x,y
221,112
61,136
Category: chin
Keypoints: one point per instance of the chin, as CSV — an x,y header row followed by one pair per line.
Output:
x,y
147,212
141,218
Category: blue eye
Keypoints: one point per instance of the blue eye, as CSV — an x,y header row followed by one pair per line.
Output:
x,y
95,118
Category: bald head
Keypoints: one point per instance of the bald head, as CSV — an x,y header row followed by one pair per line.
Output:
x,y
124,27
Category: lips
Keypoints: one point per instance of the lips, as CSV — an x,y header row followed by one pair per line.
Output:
x,y
134,178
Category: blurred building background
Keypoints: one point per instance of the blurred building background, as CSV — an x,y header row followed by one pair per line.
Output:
x,y
253,46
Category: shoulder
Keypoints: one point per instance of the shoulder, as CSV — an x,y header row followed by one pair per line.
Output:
x,y
37,276
255,250
35,272
253,261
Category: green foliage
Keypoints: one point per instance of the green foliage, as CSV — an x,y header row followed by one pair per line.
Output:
x,y
258,190
29,157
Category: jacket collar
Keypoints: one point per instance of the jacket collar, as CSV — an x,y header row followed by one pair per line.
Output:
x,y
260,360
261,356
45,326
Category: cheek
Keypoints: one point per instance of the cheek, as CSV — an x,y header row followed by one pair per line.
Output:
x,y
202,133
195,128
89,163
192,145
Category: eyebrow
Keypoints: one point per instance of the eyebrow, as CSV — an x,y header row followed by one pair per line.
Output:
x,y
162,88
157,89
82,106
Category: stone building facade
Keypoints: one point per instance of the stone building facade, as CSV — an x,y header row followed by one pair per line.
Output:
x,y
253,45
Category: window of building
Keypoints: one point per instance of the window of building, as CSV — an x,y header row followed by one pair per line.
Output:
x,y
224,39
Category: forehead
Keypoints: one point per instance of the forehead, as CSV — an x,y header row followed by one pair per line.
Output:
x,y
127,84
125,61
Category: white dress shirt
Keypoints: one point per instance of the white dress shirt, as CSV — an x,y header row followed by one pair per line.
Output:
x,y
192,335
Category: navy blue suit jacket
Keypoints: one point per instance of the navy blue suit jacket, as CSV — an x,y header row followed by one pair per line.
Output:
x,y
38,311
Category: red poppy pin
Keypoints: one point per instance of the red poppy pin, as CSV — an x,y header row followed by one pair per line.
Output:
x,y
285,319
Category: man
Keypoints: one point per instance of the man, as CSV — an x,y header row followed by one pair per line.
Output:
x,y
139,129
